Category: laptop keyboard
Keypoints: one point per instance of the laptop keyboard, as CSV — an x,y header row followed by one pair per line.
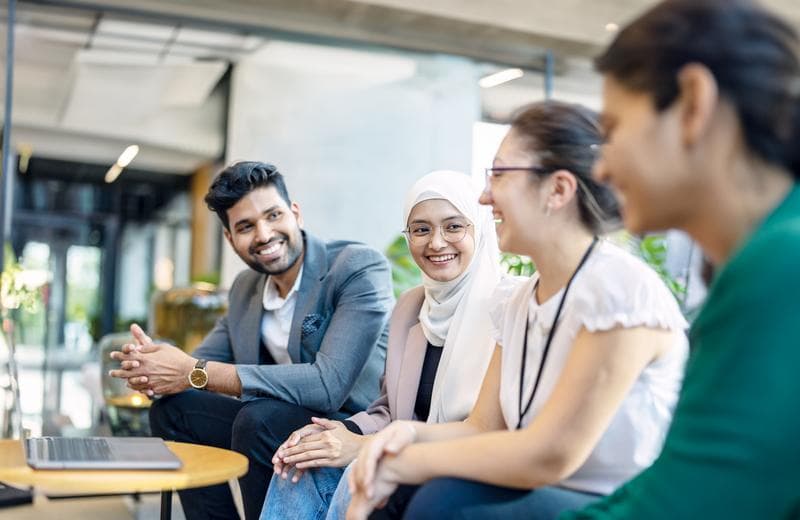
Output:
x,y
76,449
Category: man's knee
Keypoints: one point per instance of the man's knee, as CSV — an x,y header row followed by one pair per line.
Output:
x,y
253,422
269,420
163,412
168,414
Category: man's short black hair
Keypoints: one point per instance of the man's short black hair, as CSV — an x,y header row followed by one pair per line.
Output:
x,y
239,179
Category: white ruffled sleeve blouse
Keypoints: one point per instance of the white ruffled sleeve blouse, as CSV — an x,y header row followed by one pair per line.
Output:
x,y
613,289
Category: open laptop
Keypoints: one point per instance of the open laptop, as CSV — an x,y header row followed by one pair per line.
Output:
x,y
99,453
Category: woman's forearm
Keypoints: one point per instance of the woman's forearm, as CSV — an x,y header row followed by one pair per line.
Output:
x,y
441,432
599,372
501,458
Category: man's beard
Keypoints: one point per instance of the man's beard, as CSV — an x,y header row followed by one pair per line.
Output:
x,y
294,248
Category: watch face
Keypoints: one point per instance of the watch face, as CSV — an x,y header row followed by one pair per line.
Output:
x,y
198,378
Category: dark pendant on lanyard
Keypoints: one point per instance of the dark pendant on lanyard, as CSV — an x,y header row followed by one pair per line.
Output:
x,y
523,411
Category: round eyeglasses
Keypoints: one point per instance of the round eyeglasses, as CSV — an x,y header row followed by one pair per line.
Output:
x,y
421,233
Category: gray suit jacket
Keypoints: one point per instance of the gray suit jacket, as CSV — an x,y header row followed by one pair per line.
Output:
x,y
337,341
404,358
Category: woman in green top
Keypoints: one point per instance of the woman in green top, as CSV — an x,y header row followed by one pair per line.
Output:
x,y
702,121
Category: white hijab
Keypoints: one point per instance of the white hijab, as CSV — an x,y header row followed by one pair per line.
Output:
x,y
454,314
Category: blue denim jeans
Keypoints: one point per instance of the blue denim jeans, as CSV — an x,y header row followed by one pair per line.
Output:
x,y
341,498
309,498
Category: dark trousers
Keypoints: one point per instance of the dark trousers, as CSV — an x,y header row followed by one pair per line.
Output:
x,y
253,428
397,504
452,498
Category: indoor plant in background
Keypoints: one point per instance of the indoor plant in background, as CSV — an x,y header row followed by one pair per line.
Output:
x,y
17,292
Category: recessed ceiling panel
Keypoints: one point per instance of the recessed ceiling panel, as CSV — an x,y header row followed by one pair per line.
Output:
x,y
211,38
135,30
123,43
190,84
368,67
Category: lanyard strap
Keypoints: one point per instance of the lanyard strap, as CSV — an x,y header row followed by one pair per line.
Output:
x,y
523,411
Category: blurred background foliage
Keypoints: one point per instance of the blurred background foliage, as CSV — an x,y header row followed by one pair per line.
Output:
x,y
653,250
517,265
405,273
15,291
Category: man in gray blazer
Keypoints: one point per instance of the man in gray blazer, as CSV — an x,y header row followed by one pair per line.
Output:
x,y
305,335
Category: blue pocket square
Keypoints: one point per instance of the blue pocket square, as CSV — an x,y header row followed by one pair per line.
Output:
x,y
311,324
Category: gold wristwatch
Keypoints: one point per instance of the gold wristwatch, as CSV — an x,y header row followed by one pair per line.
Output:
x,y
198,377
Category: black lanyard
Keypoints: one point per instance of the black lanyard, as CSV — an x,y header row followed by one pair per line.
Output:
x,y
523,411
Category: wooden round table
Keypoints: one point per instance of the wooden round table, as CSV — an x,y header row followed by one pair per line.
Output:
x,y
202,466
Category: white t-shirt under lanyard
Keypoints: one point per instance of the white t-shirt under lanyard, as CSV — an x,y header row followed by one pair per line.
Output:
x,y
614,289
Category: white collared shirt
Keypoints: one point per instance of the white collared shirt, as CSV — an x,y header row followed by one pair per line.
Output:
x,y
277,319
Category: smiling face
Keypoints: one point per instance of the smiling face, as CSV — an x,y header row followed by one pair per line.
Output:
x,y
265,231
440,260
517,201
646,161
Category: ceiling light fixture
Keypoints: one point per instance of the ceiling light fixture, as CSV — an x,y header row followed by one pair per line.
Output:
x,y
498,78
612,27
25,151
127,156
113,173
124,160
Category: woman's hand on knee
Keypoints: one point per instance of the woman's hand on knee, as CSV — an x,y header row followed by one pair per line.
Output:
x,y
334,447
280,466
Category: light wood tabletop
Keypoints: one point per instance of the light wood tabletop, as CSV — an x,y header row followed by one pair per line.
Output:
x,y
202,466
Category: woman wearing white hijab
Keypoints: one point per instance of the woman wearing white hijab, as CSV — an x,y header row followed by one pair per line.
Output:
x,y
589,360
439,347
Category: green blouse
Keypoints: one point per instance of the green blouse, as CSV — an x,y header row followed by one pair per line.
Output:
x,y
733,449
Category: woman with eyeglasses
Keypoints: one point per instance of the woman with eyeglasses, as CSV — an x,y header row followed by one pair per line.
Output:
x,y
438,350
589,357
701,111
